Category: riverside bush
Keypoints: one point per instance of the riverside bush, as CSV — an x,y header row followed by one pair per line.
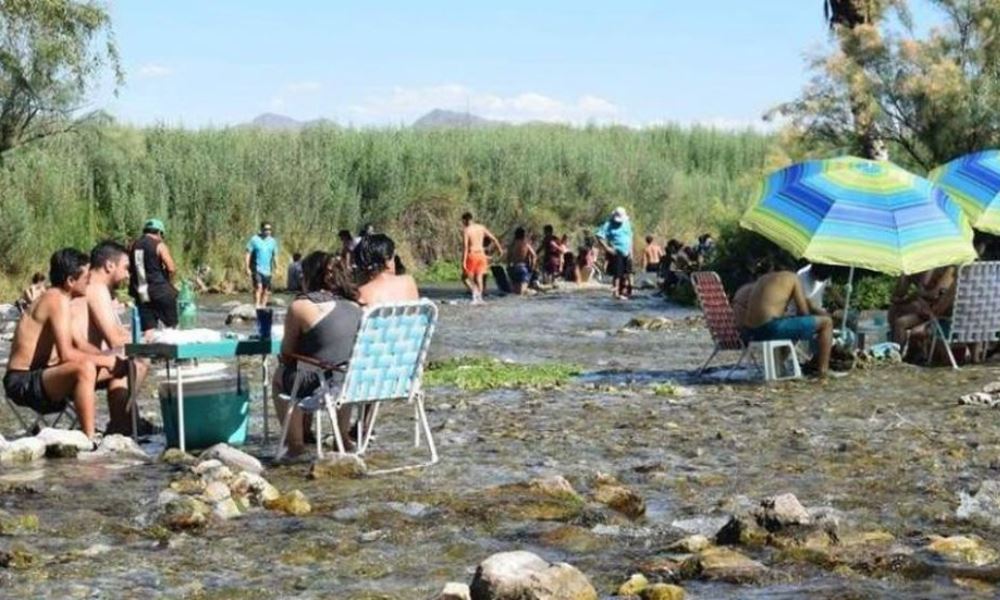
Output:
x,y
213,186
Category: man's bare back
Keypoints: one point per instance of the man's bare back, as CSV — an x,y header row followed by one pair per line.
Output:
x,y
653,254
771,295
34,345
474,235
520,252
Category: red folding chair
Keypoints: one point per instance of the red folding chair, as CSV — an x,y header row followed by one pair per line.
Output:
x,y
719,318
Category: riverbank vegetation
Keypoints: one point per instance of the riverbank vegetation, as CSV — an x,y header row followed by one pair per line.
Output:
x,y
213,186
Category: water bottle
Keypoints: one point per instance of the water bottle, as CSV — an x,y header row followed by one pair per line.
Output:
x,y
187,307
136,325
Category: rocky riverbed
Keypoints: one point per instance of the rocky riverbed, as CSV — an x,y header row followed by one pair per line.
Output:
x,y
648,482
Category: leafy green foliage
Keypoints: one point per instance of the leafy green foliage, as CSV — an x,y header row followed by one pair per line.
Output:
x,y
51,53
477,374
213,187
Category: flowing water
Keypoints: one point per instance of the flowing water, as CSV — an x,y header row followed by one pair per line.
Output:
x,y
888,447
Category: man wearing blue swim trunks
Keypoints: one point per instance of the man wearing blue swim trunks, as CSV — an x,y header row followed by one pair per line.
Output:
x,y
521,258
259,261
765,318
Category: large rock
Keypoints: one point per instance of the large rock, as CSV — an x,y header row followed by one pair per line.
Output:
x,y
237,460
257,490
555,486
634,586
176,457
116,446
724,564
64,443
984,505
611,493
967,549
690,544
454,591
663,591
213,470
184,512
292,503
243,313
522,575
778,512
22,450
338,466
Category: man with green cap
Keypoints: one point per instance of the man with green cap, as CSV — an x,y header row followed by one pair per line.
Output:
x,y
151,268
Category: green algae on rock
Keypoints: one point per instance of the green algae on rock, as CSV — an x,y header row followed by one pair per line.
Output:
x,y
478,374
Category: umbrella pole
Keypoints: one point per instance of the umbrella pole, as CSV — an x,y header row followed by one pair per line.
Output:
x,y
847,303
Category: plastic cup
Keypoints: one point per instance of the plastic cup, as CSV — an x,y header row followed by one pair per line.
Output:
x,y
265,317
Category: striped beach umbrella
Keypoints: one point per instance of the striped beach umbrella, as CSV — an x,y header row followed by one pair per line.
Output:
x,y
861,213
973,181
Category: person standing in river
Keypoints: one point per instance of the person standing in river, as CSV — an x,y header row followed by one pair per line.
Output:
x,y
475,262
521,260
615,237
262,250
151,267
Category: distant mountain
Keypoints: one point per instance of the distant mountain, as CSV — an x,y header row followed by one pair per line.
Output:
x,y
276,122
439,118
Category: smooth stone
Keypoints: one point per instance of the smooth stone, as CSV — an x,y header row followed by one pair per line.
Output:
x,y
118,445
966,549
522,575
634,586
216,491
707,526
782,511
724,564
184,512
64,443
622,499
213,470
663,591
237,460
242,313
455,591
174,456
690,545
983,505
410,509
226,509
338,466
291,503
253,487
22,450
555,486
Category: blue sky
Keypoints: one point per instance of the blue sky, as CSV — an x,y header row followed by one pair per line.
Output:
x,y
221,62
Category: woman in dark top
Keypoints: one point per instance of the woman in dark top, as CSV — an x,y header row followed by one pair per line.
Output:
x,y
322,323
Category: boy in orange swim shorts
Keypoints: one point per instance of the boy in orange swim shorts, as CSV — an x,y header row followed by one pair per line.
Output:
x,y
475,263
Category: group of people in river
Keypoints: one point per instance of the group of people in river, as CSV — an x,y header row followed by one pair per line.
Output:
x,y
532,263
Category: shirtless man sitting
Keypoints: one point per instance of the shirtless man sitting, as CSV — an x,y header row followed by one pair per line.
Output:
x,y
521,258
44,367
96,327
764,319
475,263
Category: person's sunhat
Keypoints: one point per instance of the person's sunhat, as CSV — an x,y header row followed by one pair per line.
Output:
x,y
619,216
154,224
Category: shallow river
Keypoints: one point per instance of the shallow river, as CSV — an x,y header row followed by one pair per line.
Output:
x,y
888,447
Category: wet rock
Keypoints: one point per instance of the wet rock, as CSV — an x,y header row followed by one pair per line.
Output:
x,y
64,443
226,509
741,530
984,505
455,591
967,549
522,575
21,451
572,538
778,512
661,568
213,470
614,495
17,557
184,512
291,503
520,501
634,586
663,591
706,526
555,486
410,509
723,564
237,460
338,466
116,446
188,485
254,488
174,456
242,313
216,491
690,544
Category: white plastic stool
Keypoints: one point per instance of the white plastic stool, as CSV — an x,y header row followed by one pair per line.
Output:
x,y
768,349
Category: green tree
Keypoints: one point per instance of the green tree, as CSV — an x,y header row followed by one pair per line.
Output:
x,y
51,54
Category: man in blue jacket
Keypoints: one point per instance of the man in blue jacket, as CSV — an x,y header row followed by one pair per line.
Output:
x,y
615,237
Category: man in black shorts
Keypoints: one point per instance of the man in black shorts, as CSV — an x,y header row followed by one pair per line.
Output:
x,y
615,237
33,379
151,269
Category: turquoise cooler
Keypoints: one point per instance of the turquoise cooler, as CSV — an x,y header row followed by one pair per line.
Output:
x,y
216,409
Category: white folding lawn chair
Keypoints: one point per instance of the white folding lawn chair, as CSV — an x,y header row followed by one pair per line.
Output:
x,y
975,316
386,365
